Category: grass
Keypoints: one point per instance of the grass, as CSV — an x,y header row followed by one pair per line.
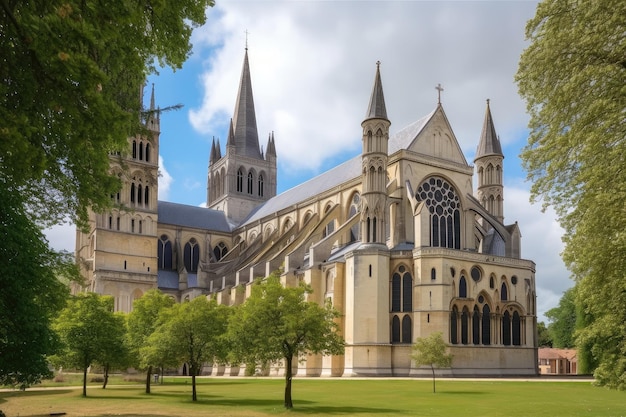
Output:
x,y
316,397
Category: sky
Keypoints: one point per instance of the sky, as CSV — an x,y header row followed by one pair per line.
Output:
x,y
312,66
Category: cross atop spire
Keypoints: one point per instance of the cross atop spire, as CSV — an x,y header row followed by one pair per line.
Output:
x,y
439,89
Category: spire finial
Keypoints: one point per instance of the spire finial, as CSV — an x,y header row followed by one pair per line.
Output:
x,y
439,89
377,64
487,102
247,33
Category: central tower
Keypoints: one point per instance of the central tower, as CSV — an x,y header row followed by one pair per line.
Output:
x,y
244,177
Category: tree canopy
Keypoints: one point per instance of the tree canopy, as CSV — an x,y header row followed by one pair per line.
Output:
x,y
573,78
88,329
194,333
141,323
431,351
31,294
278,323
71,76
563,320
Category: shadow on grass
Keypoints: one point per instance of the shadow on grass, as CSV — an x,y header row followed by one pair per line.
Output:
x,y
461,393
34,393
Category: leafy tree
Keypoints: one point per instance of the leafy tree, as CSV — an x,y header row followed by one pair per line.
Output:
x,y
431,351
543,335
277,322
192,332
563,320
31,293
88,328
69,82
141,323
116,355
572,76
71,74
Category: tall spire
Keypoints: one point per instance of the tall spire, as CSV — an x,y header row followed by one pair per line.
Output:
x,y
152,98
489,143
246,138
377,109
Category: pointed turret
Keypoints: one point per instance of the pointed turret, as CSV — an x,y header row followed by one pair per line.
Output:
x,y
153,119
231,135
212,154
374,159
377,109
489,143
244,121
489,167
218,150
271,146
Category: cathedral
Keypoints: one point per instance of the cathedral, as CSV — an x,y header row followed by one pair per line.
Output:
x,y
398,239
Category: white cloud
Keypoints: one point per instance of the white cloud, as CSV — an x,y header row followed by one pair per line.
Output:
x,y
165,180
313,64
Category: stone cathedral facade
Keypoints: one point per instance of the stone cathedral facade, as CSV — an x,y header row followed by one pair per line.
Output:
x,y
397,238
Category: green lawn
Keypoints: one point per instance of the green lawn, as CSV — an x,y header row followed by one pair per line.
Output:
x,y
316,397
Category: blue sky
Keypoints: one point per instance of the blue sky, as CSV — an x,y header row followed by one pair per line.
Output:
x,y
312,67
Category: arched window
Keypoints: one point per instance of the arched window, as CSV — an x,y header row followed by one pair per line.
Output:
x,y
516,329
132,192
504,292
395,329
396,292
407,292
141,151
355,207
139,194
240,180
260,185
465,326
444,205
486,320
453,326
219,251
164,254
433,274
506,329
402,290
192,256
250,180
406,329
146,197
134,149
476,326
462,287
147,152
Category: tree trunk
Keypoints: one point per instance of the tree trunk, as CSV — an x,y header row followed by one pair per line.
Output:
x,y
194,396
433,368
85,381
106,376
288,373
148,377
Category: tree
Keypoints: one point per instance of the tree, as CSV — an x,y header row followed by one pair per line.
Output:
x,y
192,332
543,335
276,322
31,294
88,328
431,351
116,355
141,323
71,76
572,76
563,320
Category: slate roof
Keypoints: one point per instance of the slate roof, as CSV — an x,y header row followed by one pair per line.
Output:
x,y
340,174
167,279
191,216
